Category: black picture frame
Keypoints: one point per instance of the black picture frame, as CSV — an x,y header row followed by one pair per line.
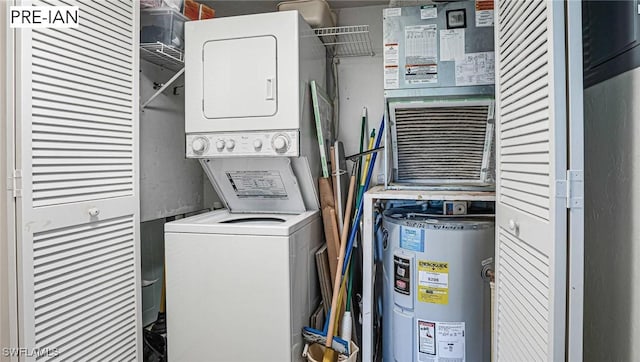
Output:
x,y
456,19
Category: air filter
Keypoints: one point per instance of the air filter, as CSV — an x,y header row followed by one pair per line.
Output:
x,y
442,142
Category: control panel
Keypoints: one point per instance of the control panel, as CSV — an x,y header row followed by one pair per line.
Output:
x,y
252,144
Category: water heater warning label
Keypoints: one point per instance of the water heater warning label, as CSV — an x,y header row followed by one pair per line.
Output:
x,y
412,238
427,337
441,341
402,275
433,282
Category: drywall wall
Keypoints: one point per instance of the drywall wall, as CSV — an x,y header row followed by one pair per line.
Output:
x,y
152,259
170,184
360,81
612,212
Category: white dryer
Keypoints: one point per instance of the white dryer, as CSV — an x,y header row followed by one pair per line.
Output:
x,y
241,286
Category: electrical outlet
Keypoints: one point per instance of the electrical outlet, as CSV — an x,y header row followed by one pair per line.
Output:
x,y
455,208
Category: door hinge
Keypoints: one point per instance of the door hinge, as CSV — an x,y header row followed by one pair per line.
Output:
x,y
575,189
16,183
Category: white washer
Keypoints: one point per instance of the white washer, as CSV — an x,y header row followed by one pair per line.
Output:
x,y
240,287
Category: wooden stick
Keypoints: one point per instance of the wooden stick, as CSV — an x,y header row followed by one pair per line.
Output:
x,y
333,244
343,247
336,284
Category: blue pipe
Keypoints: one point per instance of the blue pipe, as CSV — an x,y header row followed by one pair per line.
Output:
x,y
356,221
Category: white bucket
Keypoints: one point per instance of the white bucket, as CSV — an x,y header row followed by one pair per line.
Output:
x,y
316,351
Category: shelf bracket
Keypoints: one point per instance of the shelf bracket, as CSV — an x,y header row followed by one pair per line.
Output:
x,y
164,86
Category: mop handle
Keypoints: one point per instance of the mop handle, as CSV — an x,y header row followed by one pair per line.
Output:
x,y
356,221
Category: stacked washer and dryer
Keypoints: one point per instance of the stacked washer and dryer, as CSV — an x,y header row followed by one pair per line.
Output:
x,y
241,281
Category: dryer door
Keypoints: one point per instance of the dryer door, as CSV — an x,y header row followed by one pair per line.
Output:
x,y
240,78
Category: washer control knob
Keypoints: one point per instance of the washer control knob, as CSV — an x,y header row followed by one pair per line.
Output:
x,y
220,145
281,144
257,145
199,144
231,144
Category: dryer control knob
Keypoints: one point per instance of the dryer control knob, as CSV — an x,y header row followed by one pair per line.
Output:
x,y
257,145
231,144
199,144
281,144
220,145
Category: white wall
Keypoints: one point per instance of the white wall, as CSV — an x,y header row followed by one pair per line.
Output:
x,y
360,81
612,219
170,184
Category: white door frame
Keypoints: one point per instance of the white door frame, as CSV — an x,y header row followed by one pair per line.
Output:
x,y
575,178
8,286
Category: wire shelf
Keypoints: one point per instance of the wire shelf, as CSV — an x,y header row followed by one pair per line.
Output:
x,y
162,55
347,41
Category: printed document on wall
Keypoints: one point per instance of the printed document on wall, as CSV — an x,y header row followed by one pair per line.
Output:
x,y
475,69
421,54
451,44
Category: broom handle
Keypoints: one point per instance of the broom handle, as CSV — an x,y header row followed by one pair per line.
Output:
x,y
343,247
356,221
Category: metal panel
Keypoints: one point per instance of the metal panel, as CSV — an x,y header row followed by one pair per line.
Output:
x,y
531,217
476,39
611,39
78,223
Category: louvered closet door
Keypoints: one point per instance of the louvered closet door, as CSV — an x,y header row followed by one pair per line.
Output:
x,y
78,213
531,238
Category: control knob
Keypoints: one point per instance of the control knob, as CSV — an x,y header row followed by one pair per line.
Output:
x,y
281,143
231,144
220,145
200,144
257,145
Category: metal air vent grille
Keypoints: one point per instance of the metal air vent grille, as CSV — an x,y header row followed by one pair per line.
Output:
x,y
443,144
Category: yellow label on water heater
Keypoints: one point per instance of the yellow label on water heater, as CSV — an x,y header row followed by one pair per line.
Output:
x,y
433,282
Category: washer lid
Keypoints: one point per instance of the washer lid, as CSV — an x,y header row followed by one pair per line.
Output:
x,y
256,185
224,222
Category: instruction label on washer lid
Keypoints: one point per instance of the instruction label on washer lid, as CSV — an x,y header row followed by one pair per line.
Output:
x,y
433,282
441,341
257,184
